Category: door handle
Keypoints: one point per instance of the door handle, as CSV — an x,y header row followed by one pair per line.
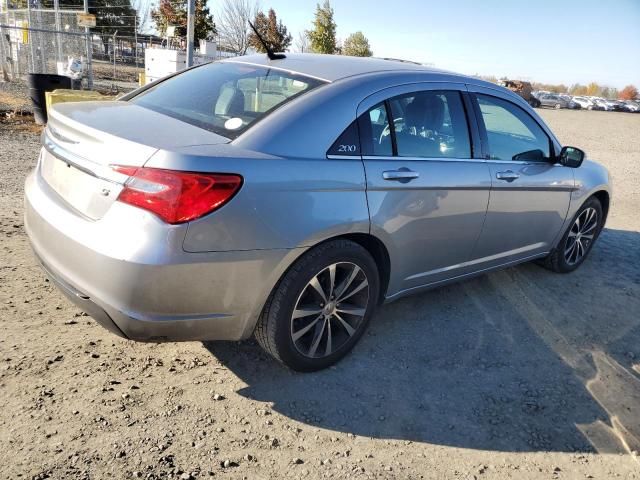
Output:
x,y
509,176
401,175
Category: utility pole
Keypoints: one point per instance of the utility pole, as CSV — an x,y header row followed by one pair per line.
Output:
x,y
114,53
135,33
88,48
191,23
56,9
30,38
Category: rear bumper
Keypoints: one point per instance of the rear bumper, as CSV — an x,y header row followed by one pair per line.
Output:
x,y
129,272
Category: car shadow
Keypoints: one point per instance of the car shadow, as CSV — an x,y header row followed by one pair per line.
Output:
x,y
517,360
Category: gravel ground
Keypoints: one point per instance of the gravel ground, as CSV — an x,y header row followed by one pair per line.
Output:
x,y
518,374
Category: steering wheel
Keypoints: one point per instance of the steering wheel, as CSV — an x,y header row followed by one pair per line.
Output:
x,y
398,125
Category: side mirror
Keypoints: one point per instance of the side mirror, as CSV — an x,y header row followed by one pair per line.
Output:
x,y
571,157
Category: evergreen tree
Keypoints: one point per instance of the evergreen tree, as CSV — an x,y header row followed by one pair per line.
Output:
x,y
174,13
273,32
323,34
113,16
357,45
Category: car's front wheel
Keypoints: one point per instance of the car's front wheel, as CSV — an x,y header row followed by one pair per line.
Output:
x,y
578,240
321,307
557,106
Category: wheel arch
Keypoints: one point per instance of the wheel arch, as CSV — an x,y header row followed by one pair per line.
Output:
x,y
604,198
601,194
380,254
373,245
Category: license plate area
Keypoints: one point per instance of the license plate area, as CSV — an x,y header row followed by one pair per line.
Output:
x,y
85,192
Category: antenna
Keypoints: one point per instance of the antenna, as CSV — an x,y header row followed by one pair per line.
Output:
x,y
270,53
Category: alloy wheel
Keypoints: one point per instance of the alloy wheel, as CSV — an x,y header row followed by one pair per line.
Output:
x,y
581,236
330,309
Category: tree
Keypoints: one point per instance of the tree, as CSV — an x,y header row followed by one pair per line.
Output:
x,y
594,90
113,16
357,45
302,43
323,34
629,93
143,10
274,33
233,20
174,13
609,92
577,89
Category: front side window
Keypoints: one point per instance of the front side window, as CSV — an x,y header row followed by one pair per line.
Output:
x,y
225,98
428,124
511,132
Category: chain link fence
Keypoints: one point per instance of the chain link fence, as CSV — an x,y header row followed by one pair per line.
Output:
x,y
41,41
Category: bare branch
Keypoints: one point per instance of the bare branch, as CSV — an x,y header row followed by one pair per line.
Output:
x,y
233,24
302,43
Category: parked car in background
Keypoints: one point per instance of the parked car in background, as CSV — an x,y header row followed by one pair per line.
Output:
x,y
586,103
631,106
614,105
288,198
557,102
603,104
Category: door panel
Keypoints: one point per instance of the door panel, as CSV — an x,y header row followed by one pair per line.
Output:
x,y
530,193
431,223
525,214
427,197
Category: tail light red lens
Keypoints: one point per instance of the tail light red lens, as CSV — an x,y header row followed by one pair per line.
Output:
x,y
174,196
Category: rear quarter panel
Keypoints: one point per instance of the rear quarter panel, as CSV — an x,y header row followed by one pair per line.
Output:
x,y
284,202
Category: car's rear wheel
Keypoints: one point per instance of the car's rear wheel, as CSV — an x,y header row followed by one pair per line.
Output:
x,y
321,307
557,106
578,240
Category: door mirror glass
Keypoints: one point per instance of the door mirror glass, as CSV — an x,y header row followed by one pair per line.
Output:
x,y
571,157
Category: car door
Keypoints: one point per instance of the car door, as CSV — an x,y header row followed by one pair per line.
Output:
x,y
427,194
530,192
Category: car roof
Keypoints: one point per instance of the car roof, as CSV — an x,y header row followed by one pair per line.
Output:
x,y
336,67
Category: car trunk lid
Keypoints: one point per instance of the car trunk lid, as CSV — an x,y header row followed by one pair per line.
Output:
x,y
83,140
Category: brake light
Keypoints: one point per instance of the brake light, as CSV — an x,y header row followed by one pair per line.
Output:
x,y
174,196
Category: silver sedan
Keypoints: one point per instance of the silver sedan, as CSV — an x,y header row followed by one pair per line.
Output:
x,y
287,198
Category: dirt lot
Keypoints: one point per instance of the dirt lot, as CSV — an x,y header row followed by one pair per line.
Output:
x,y
517,374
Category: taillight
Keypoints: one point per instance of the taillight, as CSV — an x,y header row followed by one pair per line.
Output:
x,y
175,196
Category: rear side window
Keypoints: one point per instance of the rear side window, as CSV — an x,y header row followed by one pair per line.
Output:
x,y
226,98
431,124
511,132
428,124
375,132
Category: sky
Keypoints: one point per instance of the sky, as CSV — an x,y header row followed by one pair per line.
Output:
x,y
550,41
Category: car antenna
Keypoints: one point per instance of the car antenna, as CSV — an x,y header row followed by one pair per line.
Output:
x,y
270,53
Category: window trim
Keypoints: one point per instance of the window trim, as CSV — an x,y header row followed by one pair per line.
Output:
x,y
472,124
485,138
392,128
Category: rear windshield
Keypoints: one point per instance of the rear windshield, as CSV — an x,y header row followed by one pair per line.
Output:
x,y
225,98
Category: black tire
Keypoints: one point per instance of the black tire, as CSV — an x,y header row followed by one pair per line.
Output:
x,y
557,261
557,106
274,330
